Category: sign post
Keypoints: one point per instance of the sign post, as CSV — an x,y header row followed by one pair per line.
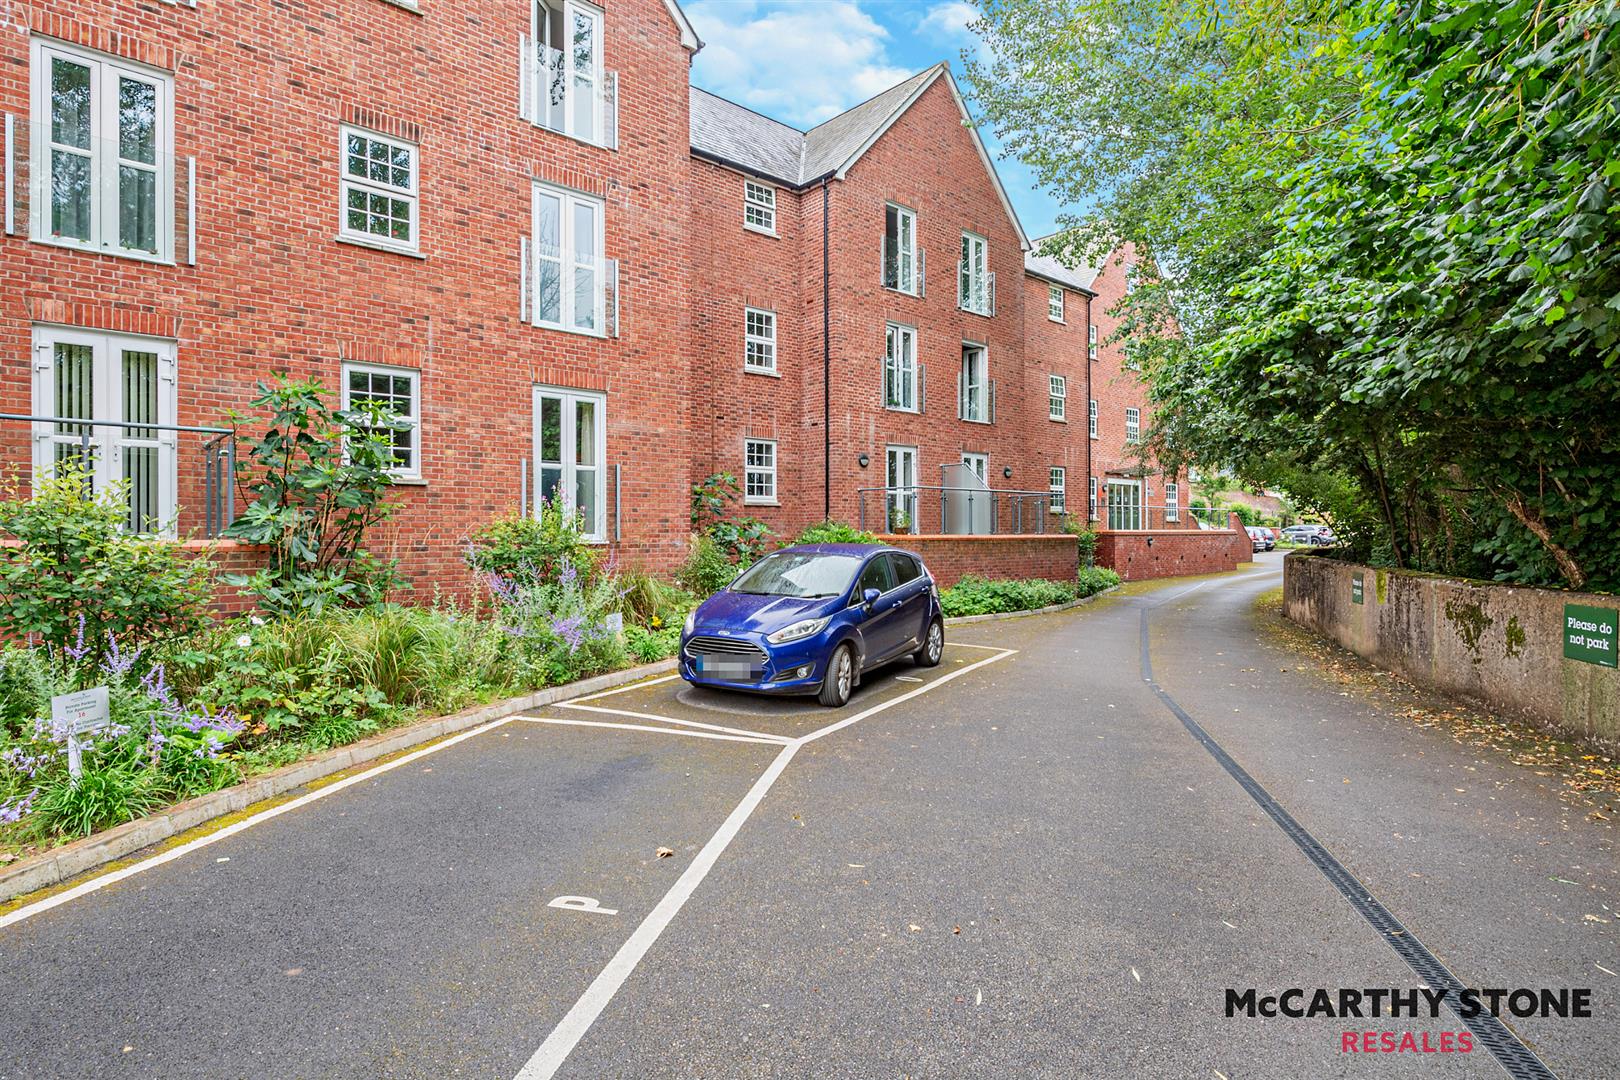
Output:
x,y
80,714
1589,634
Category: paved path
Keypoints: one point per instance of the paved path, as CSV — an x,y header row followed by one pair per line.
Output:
x,y
1021,863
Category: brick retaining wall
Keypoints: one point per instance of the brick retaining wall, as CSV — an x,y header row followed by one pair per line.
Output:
x,y
1054,557
1140,554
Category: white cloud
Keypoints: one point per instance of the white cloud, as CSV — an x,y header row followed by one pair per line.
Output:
x,y
800,62
950,20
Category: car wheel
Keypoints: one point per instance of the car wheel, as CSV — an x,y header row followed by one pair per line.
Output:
x,y
933,646
840,678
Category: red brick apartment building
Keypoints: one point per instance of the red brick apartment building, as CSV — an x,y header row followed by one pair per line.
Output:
x,y
520,226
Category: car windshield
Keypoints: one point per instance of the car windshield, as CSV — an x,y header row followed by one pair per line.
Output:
x,y
798,573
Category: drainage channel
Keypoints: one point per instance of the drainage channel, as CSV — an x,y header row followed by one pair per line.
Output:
x,y
1512,1054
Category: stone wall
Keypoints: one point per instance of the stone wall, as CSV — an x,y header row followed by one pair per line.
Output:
x,y
1499,645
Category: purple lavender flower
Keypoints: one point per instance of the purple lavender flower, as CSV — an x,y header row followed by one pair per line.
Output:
x,y
13,809
78,650
568,575
571,629
118,662
505,591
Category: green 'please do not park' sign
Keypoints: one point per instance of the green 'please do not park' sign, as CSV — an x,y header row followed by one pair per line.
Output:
x,y
1589,634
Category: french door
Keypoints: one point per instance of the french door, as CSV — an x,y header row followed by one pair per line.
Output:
x,y
902,485
979,464
1124,504
86,375
570,444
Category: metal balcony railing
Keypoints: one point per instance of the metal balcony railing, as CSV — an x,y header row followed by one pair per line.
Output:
x,y
138,455
951,510
567,290
561,94
904,271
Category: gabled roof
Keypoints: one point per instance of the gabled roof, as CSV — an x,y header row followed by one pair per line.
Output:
x,y
689,39
1047,266
739,137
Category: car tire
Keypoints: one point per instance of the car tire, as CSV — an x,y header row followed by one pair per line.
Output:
x,y
933,646
840,678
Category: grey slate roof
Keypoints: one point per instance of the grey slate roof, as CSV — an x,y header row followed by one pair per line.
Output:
x,y
726,130
1046,266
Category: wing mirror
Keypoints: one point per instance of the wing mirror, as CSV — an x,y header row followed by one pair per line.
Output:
x,y
869,597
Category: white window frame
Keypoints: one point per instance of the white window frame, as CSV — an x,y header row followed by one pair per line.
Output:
x,y
1130,509
756,344
759,200
1172,502
907,377
985,411
1092,419
596,77
907,272
569,466
764,471
105,73
974,279
1092,500
348,182
1091,343
1133,425
1057,398
109,443
414,470
1054,303
1056,484
567,260
978,464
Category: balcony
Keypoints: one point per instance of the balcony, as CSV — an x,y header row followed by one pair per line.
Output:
x,y
569,291
569,95
975,293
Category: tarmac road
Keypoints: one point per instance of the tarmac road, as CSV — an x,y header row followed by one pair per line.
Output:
x,y
1021,863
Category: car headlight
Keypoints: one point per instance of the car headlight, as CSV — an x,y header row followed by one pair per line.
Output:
x,y
691,621
802,629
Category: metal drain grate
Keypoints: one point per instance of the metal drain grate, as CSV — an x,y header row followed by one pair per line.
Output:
x,y
1513,1055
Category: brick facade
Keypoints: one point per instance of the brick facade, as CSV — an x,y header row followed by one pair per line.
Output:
x,y
260,94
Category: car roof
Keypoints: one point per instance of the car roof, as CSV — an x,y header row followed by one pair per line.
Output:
x,y
861,550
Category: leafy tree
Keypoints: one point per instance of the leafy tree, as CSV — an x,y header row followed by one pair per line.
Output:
x,y
319,480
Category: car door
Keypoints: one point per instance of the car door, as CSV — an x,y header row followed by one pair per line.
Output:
x,y
880,626
911,586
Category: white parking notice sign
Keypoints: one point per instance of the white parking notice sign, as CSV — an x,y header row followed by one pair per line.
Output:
x,y
80,713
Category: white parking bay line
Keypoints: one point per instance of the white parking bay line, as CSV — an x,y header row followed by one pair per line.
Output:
x,y
649,727
763,735
232,829
628,687
566,1035
970,645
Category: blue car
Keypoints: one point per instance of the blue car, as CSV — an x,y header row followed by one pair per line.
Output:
x,y
811,619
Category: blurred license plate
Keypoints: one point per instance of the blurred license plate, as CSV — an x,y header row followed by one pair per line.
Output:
x,y
728,667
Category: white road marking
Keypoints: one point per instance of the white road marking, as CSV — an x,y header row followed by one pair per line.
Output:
x,y
765,735
627,689
906,678
649,727
969,645
566,1035
562,1040
87,887
582,903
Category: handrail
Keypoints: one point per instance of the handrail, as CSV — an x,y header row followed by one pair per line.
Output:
x,y
79,421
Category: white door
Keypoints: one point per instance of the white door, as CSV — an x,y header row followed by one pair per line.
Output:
x,y
570,440
85,375
902,484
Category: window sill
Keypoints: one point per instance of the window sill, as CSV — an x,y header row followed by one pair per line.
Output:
x,y
1057,419
1053,318
561,329
1096,436
93,249
772,233
913,293
902,409
377,245
406,5
761,502
975,311
409,481
970,420
771,372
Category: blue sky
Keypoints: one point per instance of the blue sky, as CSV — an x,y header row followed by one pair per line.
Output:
x,y
802,61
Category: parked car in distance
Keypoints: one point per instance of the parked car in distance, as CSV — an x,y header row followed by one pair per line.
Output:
x,y
812,619
1261,537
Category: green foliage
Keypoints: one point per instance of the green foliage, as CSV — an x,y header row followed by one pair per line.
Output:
x,y
533,548
834,532
1093,580
104,795
740,539
974,595
76,576
647,645
319,480
1084,536
650,601
706,570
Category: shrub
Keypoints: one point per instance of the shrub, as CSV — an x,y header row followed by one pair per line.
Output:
x,y
647,645
321,485
1085,537
1094,579
977,596
740,539
563,630
706,570
834,532
77,580
533,548
651,601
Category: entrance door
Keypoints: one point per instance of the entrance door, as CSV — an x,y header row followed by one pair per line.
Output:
x,y
1124,504
980,464
570,440
902,485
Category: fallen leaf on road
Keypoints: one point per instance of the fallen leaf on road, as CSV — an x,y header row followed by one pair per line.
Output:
x,y
913,927
665,852
956,929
